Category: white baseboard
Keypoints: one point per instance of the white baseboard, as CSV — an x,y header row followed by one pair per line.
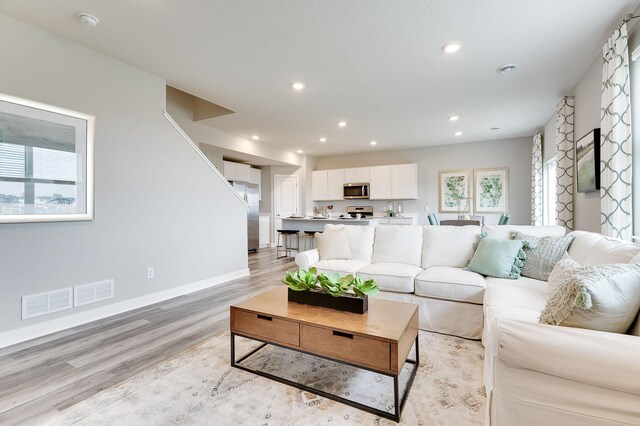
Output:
x,y
22,334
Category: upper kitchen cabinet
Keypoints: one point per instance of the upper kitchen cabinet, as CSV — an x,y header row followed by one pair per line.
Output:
x,y
380,182
335,184
320,185
404,182
357,175
397,182
237,172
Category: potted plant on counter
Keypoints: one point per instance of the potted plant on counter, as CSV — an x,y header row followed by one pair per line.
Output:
x,y
347,293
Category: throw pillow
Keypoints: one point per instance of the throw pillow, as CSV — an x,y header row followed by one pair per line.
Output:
x,y
498,258
602,297
564,269
334,244
542,254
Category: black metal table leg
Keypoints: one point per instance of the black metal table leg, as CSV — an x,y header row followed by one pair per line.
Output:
x,y
399,401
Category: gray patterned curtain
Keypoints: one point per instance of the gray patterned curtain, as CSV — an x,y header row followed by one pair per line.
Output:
x,y
536,180
564,160
615,138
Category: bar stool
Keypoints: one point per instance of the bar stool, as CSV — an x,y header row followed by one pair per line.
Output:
x,y
285,237
309,239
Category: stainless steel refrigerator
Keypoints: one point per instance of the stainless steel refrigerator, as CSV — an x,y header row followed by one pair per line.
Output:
x,y
249,193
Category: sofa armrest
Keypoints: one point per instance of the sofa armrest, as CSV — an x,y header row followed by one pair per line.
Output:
x,y
603,359
307,259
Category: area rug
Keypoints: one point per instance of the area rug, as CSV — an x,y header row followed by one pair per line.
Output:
x,y
199,387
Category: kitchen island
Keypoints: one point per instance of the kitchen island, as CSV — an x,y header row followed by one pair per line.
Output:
x,y
317,225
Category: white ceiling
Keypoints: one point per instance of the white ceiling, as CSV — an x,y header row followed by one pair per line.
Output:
x,y
376,64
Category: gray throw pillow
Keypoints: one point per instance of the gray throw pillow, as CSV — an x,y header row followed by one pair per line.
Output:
x,y
542,254
600,297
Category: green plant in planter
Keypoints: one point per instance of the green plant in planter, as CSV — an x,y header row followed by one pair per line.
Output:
x,y
302,280
334,284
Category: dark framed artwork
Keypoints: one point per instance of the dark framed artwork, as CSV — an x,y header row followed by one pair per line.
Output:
x,y
588,162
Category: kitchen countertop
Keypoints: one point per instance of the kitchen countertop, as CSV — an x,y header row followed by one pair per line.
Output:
x,y
334,219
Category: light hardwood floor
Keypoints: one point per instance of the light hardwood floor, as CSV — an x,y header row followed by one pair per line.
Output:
x,y
49,374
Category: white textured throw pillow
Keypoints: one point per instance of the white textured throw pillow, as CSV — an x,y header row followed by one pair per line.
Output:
x,y
334,244
602,297
564,269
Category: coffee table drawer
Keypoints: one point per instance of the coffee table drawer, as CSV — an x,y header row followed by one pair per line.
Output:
x,y
346,347
266,327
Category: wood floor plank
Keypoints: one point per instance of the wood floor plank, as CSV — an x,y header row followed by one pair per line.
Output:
x,y
51,373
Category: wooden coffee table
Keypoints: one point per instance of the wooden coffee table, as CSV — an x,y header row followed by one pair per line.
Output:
x,y
379,340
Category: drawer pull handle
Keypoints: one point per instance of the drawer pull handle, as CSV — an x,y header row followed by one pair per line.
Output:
x,y
341,334
264,317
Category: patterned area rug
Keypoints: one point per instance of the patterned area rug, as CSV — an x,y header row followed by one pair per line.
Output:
x,y
199,387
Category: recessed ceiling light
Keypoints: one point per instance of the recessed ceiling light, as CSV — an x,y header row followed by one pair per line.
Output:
x,y
454,118
507,68
452,47
495,128
458,133
88,19
255,137
373,143
342,123
298,85
323,139
299,151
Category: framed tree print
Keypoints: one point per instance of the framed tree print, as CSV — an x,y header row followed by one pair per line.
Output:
x,y
491,190
453,186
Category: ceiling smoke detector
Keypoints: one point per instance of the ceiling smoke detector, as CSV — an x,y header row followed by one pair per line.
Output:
x,y
88,19
505,69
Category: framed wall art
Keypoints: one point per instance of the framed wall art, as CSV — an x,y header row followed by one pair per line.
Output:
x,y
46,162
588,161
453,186
491,187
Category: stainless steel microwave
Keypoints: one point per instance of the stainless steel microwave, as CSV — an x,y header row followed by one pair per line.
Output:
x,y
356,190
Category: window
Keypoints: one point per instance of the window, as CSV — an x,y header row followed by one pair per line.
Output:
x,y
549,214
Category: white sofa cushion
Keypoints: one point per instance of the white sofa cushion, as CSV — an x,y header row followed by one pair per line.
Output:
x,y
591,248
342,267
449,245
398,244
503,232
525,293
334,244
605,298
443,282
396,277
360,240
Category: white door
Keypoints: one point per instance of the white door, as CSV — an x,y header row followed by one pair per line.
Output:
x,y
319,188
380,188
335,184
287,200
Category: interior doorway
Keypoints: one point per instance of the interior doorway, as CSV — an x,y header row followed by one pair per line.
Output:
x,y
286,201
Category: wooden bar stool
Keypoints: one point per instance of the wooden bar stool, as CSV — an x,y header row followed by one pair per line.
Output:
x,y
285,237
309,239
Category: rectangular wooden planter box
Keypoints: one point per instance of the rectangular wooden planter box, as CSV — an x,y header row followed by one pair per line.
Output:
x,y
356,305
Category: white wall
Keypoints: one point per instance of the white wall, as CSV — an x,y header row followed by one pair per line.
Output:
x,y
157,202
587,117
512,153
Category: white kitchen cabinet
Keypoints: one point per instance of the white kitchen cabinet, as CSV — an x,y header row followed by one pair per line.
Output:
x,y
335,184
357,175
237,172
380,182
319,185
404,182
398,220
255,177
264,225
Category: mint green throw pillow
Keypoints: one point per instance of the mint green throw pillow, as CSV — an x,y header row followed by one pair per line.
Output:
x,y
498,258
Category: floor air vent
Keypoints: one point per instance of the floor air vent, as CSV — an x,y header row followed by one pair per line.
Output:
x,y
91,293
45,303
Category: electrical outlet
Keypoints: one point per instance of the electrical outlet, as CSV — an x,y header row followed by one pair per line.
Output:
x,y
151,272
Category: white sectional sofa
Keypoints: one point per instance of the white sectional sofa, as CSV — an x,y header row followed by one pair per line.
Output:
x,y
534,374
